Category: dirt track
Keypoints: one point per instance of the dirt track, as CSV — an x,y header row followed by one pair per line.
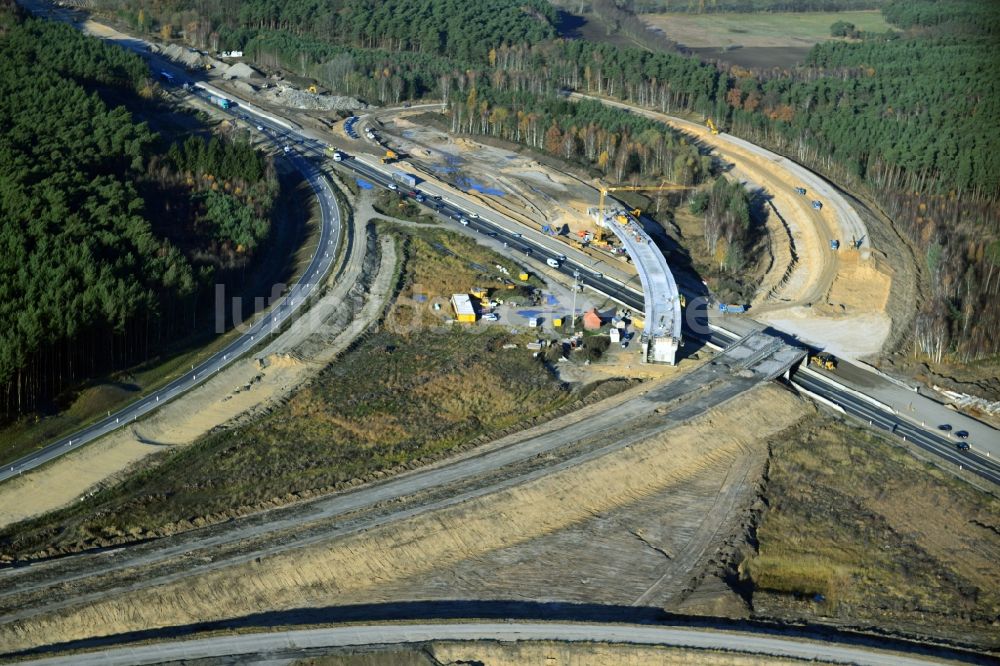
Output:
x,y
825,297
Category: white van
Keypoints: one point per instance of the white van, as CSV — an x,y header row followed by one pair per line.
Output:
x,y
554,263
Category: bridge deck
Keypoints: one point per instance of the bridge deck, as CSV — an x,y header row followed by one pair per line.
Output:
x,y
662,300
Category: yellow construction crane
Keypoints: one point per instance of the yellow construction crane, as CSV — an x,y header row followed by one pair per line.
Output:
x,y
711,126
629,188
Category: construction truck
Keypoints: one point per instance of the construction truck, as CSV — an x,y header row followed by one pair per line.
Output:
x,y
404,178
313,89
390,157
825,361
221,102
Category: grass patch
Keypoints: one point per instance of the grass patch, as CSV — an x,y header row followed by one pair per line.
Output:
x,y
770,29
440,263
391,204
884,537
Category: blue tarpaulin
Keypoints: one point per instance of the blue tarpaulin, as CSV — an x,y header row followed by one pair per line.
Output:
x,y
469,184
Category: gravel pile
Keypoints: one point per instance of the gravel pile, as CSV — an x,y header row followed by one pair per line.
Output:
x,y
244,88
241,71
187,57
291,97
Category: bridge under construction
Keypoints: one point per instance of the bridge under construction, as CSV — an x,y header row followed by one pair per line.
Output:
x,y
661,336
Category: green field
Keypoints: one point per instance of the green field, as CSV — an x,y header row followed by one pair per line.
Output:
x,y
763,30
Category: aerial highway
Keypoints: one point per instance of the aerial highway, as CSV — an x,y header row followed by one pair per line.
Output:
x,y
476,219
871,412
292,644
850,401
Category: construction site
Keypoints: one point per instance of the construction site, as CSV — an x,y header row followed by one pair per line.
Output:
x,y
513,397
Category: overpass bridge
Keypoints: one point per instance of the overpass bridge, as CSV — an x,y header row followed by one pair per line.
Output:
x,y
661,335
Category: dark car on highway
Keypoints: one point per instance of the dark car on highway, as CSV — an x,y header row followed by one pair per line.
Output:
x,y
962,446
946,427
962,434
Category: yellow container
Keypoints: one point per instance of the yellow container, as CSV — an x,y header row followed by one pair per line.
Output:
x,y
523,277
557,322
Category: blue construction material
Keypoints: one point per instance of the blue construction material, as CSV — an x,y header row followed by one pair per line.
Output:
x,y
470,184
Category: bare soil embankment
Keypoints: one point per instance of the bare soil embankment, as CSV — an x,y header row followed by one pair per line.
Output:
x,y
551,653
820,295
365,567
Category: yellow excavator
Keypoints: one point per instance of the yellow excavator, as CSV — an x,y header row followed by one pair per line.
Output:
x,y
390,157
313,89
825,361
711,126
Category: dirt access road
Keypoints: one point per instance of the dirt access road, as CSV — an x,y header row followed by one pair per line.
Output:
x,y
835,300
502,643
